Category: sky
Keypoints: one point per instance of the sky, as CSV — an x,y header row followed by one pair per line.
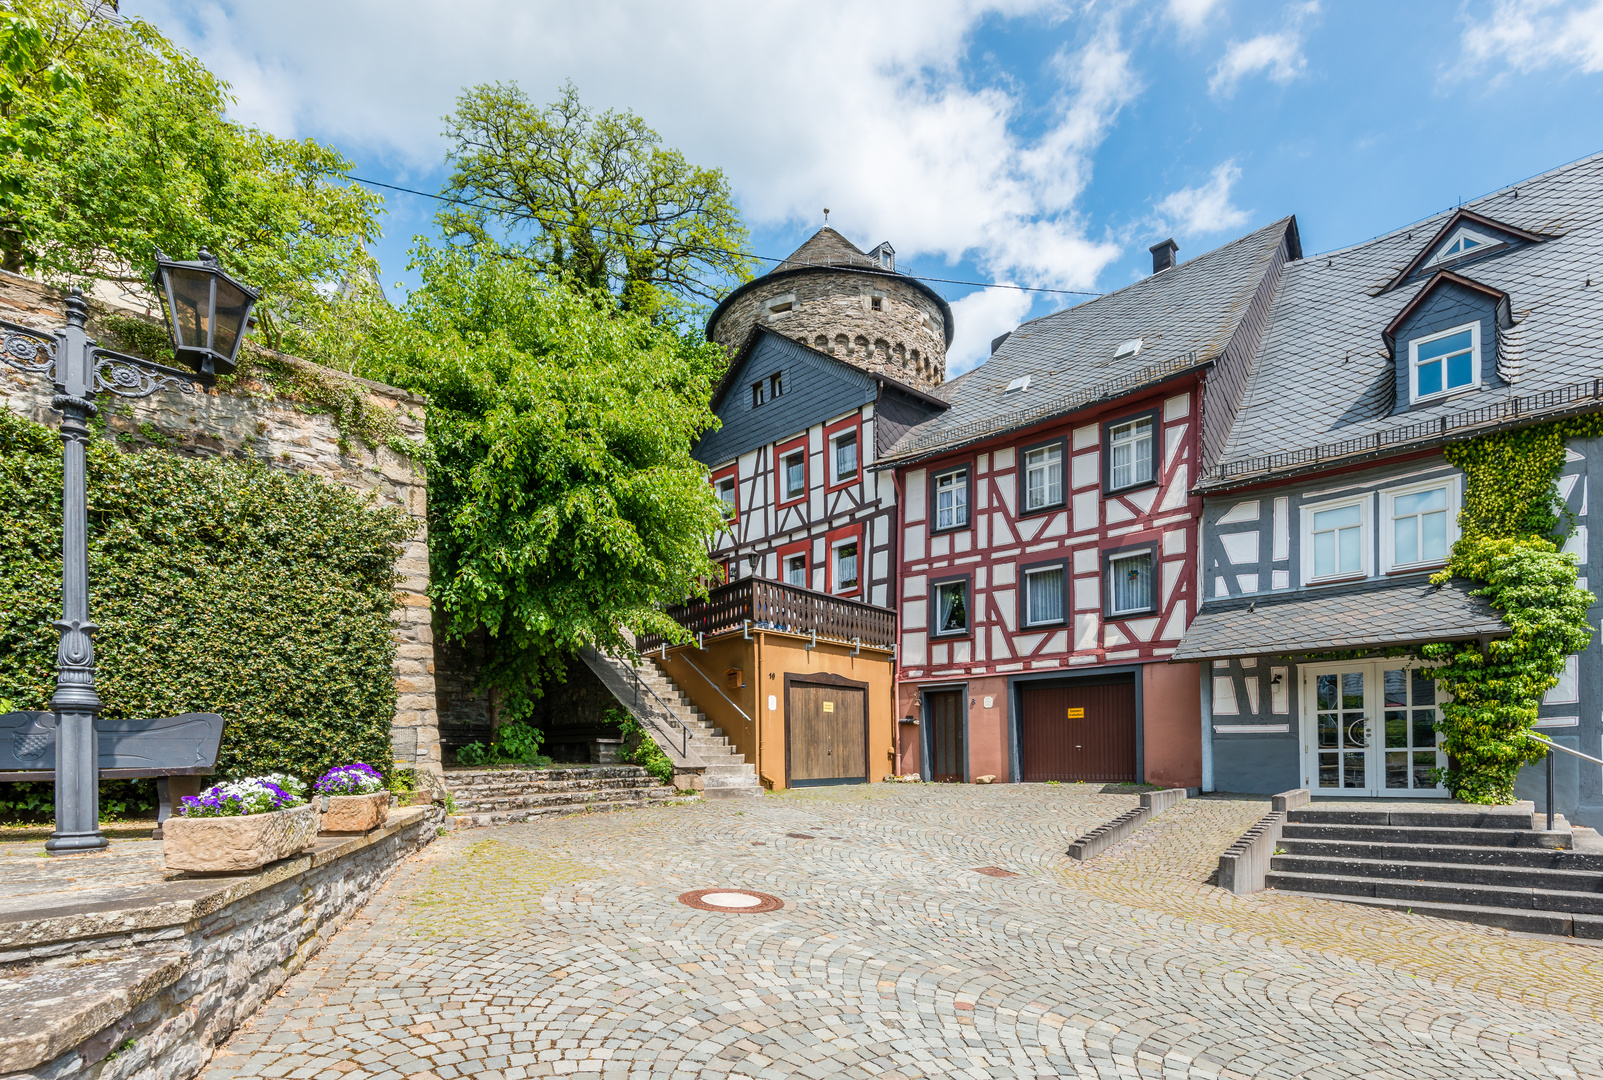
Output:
x,y
1040,143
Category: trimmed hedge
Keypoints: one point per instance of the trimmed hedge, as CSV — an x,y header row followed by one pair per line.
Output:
x,y
218,586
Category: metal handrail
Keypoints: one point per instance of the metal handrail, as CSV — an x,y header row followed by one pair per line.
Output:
x,y
684,732
716,688
1567,750
1552,746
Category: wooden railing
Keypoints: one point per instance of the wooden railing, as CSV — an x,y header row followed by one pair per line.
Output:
x,y
770,605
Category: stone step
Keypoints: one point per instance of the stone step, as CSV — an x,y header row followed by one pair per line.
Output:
x,y
512,817
1424,815
466,777
504,791
1533,857
1443,873
731,768
1530,921
1418,834
1430,892
574,798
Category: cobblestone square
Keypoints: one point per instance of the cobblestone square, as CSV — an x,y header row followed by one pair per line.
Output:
x,y
559,948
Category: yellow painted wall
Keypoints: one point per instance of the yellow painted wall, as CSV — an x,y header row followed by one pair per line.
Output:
x,y
764,662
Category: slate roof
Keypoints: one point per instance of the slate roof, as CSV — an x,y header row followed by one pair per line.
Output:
x,y
1323,377
1353,617
826,247
1184,316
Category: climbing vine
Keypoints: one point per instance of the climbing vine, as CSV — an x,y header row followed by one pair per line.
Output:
x,y
1511,527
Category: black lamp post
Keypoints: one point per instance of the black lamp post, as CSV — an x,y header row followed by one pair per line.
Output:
x,y
207,311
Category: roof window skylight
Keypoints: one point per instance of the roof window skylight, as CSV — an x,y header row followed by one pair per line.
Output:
x,y
1127,349
1018,384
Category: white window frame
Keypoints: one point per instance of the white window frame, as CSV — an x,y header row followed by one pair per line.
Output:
x,y
1152,450
786,568
1057,445
1414,396
967,585
784,464
1388,532
1063,597
1366,541
961,486
1486,243
834,452
1152,579
834,565
731,505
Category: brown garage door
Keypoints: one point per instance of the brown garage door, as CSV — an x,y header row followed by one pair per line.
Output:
x,y
1078,731
828,735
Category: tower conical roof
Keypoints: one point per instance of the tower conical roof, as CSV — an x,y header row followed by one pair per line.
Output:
x,y
826,247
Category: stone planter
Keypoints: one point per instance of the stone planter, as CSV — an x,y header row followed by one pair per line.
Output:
x,y
232,844
355,813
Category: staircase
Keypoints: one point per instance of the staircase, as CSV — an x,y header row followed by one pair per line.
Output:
x,y
1483,864
707,761
505,795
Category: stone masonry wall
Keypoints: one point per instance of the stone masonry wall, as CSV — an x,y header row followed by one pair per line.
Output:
x,y
198,981
832,311
252,421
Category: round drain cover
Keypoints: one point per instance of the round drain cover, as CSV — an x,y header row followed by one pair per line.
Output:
x,y
731,900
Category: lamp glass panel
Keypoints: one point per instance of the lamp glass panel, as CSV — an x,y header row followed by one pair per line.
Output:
x,y
189,293
233,305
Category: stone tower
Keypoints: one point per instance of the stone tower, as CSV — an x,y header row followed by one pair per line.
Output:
x,y
848,303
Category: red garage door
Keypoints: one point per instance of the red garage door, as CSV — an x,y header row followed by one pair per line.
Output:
x,y
1078,731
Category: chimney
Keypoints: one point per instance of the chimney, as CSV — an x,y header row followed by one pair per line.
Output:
x,y
1163,255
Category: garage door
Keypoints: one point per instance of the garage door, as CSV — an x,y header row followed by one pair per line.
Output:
x,y
1078,731
828,735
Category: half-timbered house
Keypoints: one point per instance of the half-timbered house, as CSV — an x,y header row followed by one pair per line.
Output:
x,y
1332,504
1048,542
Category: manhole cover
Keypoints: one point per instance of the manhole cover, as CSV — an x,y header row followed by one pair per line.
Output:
x,y
994,871
731,900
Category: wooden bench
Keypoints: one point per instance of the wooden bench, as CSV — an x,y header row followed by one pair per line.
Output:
x,y
177,750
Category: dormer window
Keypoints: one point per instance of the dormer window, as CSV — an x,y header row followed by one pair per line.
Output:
x,y
1443,363
1463,243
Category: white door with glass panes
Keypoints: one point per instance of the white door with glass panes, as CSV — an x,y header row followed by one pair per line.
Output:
x,y
1369,729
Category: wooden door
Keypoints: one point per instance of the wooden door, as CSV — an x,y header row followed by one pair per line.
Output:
x,y
945,713
1078,731
828,735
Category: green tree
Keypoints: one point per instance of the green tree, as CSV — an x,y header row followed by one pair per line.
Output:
x,y
564,505
114,143
591,199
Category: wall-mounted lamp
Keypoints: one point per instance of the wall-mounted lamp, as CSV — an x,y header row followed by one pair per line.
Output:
x,y
1277,679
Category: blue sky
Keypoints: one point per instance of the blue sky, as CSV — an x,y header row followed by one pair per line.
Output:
x,y
1026,141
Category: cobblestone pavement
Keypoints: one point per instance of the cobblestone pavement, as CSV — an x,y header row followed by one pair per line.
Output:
x,y
559,948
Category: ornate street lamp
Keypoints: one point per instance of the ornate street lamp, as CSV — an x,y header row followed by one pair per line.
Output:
x,y
207,311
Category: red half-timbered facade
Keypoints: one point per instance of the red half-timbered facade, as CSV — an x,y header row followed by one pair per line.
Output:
x,y
1048,534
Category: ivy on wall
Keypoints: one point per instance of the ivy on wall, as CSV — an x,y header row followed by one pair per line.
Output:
x,y
1512,525
218,587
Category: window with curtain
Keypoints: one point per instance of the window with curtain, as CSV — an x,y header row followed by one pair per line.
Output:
x,y
846,567
726,495
1130,584
951,499
1043,595
845,456
796,475
951,607
1130,453
1043,477
796,571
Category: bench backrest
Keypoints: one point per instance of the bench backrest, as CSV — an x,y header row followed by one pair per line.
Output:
x,y
168,744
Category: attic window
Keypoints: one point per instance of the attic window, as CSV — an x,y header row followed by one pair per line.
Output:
x,y
877,303
1127,349
1465,242
1445,362
1018,384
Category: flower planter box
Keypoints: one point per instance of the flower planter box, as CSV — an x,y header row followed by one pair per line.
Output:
x,y
232,844
355,813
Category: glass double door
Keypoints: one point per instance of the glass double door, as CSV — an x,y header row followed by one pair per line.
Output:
x,y
1369,729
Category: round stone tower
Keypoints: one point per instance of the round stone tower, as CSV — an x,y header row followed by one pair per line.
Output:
x,y
848,303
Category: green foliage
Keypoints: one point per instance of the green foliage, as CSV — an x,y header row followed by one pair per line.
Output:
x,y
516,743
564,504
114,142
217,587
1509,523
33,803
590,199
639,748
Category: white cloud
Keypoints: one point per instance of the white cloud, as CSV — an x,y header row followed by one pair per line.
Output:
x,y
1191,14
804,103
979,317
1278,55
1531,34
1195,211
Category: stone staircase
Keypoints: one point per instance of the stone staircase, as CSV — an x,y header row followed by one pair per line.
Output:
x,y
1483,864
500,796
710,763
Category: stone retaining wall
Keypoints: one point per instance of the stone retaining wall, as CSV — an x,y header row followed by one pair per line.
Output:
x,y
253,421
148,993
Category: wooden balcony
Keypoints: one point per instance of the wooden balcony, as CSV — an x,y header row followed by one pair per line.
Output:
x,y
770,605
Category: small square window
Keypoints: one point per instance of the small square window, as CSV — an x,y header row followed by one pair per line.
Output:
x,y
877,303
726,495
1445,362
776,385
845,456
1130,453
1043,595
951,499
796,571
846,566
796,475
1130,583
1043,477
951,608
780,308
759,394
